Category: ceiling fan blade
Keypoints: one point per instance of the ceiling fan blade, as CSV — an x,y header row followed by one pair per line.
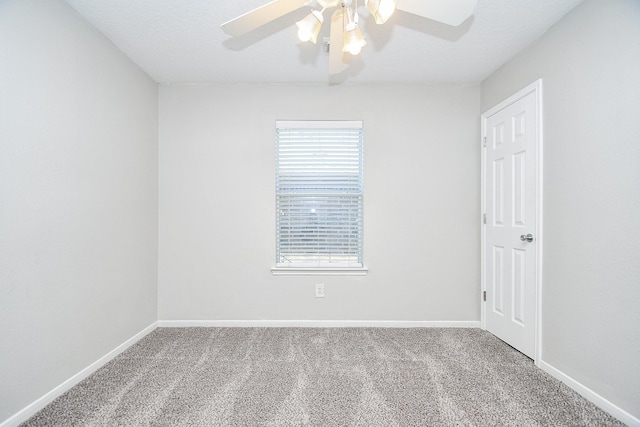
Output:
x,y
450,12
260,16
336,56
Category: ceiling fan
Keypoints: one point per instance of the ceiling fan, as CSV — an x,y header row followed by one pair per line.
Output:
x,y
345,36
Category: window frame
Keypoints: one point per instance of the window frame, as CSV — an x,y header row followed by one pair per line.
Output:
x,y
319,267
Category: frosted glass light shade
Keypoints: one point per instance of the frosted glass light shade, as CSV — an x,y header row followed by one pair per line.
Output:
x,y
353,40
309,26
381,9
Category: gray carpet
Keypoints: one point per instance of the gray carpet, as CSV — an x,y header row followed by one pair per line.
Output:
x,y
320,377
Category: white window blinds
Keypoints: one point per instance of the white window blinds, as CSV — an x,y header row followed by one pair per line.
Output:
x,y
319,194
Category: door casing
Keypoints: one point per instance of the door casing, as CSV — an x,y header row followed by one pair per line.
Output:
x,y
535,87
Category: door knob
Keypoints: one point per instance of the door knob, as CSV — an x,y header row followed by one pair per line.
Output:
x,y
527,237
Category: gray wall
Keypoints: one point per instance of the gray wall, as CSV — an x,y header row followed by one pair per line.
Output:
x,y
78,192
590,66
217,203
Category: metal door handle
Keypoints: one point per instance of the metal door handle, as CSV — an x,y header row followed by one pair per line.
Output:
x,y
527,237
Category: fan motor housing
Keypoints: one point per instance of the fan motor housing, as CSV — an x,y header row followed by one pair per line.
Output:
x,y
331,3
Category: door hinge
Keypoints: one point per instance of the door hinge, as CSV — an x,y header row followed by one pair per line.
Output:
x,y
484,295
484,218
484,141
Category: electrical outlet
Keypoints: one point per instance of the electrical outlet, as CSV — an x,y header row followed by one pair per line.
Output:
x,y
319,290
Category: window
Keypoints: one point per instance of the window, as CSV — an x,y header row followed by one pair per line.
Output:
x,y
319,197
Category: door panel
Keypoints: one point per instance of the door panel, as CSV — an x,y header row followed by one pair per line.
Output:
x,y
511,207
498,280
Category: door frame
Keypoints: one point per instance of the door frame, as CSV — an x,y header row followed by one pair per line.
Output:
x,y
535,87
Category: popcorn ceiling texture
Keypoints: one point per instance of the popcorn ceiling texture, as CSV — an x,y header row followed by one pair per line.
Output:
x,y
320,377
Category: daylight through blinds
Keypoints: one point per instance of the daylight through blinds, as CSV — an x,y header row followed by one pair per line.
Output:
x,y
319,192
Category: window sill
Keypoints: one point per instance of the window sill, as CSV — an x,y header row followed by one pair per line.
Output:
x,y
319,271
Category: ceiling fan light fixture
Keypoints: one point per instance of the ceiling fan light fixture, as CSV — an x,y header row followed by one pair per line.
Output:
x,y
381,9
345,36
309,26
353,39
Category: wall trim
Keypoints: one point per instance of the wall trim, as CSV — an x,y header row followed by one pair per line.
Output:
x,y
30,410
591,395
319,323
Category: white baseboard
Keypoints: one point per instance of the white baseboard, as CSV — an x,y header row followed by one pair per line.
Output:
x,y
590,395
318,324
30,410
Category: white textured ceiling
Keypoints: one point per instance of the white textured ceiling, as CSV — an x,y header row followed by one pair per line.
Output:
x,y
181,41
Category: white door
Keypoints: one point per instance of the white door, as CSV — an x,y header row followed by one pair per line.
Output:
x,y
511,206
